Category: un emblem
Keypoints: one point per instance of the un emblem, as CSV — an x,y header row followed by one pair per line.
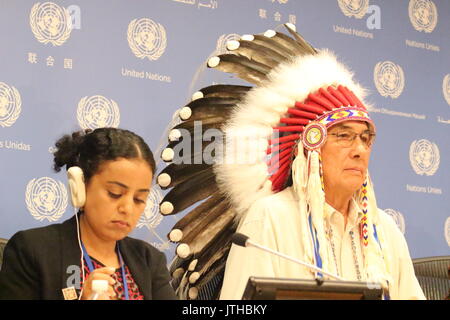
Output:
x,y
221,46
354,8
447,230
398,218
10,105
423,15
389,79
50,23
97,112
445,88
424,157
46,198
151,217
146,38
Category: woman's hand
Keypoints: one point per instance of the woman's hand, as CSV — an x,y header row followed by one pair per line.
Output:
x,y
99,274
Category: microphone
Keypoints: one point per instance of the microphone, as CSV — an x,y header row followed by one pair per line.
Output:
x,y
244,241
239,239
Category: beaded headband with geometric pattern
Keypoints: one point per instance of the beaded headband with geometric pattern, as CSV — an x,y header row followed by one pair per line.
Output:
x,y
309,120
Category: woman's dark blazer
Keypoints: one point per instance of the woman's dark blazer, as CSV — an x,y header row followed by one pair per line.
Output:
x,y
39,263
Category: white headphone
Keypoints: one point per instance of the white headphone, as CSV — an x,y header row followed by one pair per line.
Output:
x,y
76,186
77,190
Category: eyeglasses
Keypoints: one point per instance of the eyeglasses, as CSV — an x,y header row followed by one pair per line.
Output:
x,y
346,138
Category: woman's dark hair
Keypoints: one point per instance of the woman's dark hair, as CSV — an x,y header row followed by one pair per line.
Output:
x,y
89,149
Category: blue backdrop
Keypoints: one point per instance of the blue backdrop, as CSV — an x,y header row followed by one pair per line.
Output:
x,y
66,65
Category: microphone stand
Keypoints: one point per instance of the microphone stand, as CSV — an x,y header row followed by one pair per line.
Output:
x,y
319,281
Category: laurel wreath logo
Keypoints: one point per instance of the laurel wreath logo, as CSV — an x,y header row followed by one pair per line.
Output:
x,y
221,45
151,217
354,8
389,79
146,38
56,207
424,157
104,104
398,218
446,88
423,15
9,96
49,12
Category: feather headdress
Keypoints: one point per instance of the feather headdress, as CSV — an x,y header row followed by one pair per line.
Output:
x,y
299,93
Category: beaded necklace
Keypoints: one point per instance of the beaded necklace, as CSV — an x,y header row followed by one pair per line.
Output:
x,y
355,256
352,236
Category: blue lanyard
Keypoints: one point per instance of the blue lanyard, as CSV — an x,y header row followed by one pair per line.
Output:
x,y
375,234
122,267
316,247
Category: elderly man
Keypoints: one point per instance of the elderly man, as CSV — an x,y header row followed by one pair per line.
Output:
x,y
293,176
275,221
328,215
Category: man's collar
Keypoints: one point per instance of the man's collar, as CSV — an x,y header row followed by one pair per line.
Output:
x,y
354,211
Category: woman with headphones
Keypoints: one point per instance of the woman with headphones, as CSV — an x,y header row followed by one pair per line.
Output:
x,y
110,173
